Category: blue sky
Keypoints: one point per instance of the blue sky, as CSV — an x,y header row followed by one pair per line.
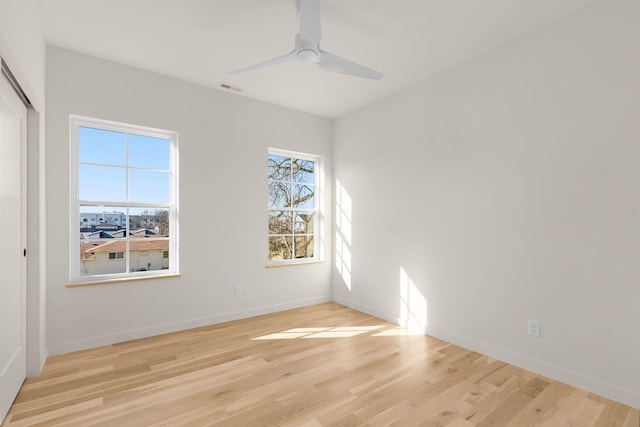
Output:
x,y
104,156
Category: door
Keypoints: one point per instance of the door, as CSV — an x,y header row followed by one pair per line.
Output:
x,y
13,122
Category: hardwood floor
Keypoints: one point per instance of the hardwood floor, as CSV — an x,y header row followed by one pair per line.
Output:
x,y
325,365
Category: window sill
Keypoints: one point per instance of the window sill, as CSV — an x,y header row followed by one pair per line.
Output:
x,y
289,264
121,280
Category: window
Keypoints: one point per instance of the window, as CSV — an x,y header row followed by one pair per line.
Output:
x,y
293,207
124,181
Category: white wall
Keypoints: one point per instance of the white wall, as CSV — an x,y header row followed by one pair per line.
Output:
x,y
508,189
223,141
22,48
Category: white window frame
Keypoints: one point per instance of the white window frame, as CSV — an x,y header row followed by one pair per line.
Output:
x,y
75,276
318,208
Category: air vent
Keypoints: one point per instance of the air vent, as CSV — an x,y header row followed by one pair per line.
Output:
x,y
226,86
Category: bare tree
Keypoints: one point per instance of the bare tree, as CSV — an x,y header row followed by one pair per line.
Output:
x,y
161,221
157,219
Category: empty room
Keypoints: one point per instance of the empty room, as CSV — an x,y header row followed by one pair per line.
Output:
x,y
320,213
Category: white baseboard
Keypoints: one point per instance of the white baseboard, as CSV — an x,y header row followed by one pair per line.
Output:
x,y
122,336
368,310
594,385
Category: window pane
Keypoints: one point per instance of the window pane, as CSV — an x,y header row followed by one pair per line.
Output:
x,y
102,183
280,247
102,257
147,254
147,186
304,223
304,246
302,171
149,222
165,259
148,152
302,196
279,167
279,195
116,255
280,222
102,146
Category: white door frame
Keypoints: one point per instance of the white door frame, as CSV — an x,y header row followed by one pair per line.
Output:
x,y
14,198
37,350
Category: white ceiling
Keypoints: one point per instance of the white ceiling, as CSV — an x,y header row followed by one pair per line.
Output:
x,y
202,40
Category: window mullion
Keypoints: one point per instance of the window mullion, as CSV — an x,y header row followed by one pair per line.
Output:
x,y
127,207
293,216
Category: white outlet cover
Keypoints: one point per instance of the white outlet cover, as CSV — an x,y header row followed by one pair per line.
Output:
x,y
534,328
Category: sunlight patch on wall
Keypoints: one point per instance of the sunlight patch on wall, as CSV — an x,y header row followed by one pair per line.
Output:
x,y
413,305
343,234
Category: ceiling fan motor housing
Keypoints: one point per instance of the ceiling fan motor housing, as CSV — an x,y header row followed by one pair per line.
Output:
x,y
307,55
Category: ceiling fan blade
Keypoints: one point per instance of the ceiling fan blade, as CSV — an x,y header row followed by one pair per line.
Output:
x,y
309,16
331,62
269,62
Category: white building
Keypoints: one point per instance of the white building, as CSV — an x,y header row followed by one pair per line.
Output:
x,y
108,257
89,219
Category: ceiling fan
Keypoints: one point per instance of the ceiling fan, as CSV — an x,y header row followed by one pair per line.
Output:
x,y
307,47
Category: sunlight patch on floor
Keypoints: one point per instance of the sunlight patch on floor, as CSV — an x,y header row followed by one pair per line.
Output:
x,y
330,332
399,332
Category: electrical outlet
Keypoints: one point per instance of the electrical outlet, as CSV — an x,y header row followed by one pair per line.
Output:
x,y
534,328
238,291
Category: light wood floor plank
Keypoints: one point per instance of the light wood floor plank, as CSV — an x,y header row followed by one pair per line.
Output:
x,y
324,365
